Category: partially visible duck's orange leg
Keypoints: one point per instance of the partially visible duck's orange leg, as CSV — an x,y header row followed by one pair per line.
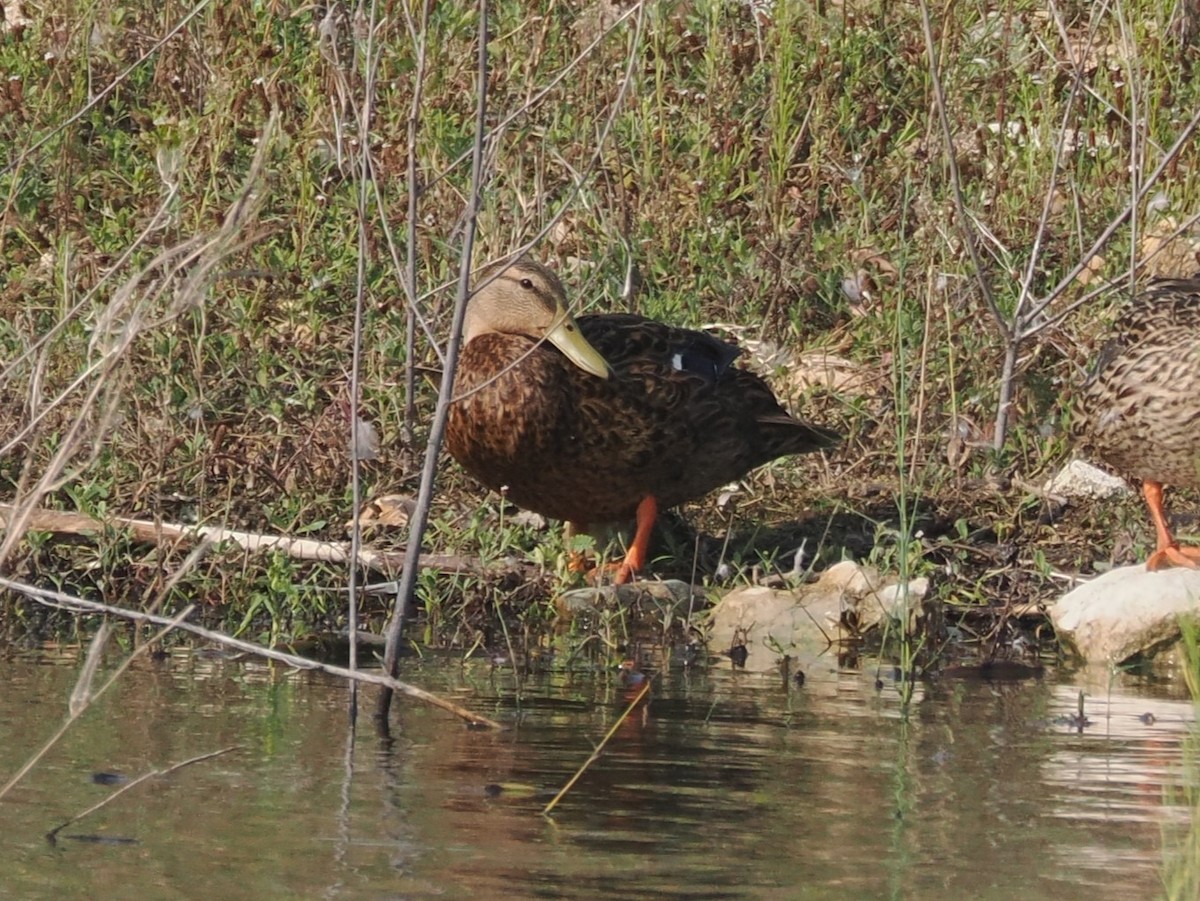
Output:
x,y
1168,552
635,557
577,561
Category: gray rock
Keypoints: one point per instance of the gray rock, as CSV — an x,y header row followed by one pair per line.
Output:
x,y
671,592
1126,612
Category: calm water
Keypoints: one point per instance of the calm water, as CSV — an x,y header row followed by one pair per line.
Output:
x,y
725,786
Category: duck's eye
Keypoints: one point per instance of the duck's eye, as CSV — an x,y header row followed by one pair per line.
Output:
x,y
527,283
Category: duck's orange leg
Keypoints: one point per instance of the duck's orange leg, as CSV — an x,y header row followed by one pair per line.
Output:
x,y
635,557
1168,552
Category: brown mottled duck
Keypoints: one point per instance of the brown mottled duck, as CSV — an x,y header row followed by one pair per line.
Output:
x,y
1141,407
606,418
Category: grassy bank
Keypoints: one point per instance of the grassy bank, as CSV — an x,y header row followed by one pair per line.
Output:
x,y
188,225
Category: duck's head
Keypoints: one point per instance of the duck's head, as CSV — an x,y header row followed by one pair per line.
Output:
x,y
526,298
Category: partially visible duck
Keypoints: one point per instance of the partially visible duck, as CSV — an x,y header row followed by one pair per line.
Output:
x,y
1140,410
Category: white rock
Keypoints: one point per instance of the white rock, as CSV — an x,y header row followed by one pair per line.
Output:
x,y
893,597
1080,479
529,518
846,575
802,622
1126,612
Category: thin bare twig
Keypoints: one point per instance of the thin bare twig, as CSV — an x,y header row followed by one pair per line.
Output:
x,y
370,66
413,309
52,835
81,694
415,190
1184,140
595,755
79,605
1060,148
420,517
637,8
579,180
1007,329
80,705
960,203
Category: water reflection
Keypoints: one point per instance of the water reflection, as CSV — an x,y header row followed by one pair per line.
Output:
x,y
726,785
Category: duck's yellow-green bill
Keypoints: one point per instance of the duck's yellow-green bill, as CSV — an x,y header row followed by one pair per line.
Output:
x,y
567,338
